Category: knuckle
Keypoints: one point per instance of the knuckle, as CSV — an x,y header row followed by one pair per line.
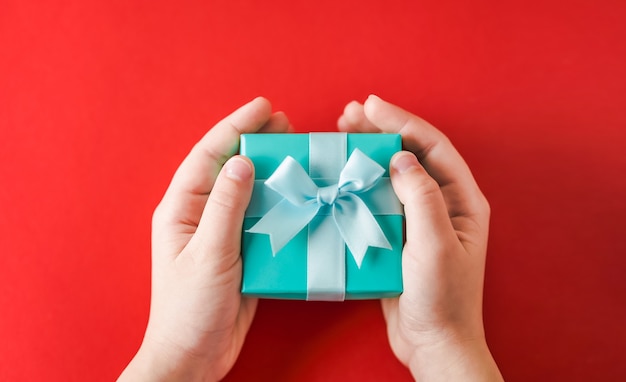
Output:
x,y
223,199
486,207
481,205
158,215
423,187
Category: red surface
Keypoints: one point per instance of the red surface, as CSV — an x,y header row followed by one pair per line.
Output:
x,y
101,100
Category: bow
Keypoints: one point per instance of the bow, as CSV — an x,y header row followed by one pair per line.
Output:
x,y
303,199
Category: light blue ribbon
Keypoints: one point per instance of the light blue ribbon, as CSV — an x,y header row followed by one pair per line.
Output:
x,y
335,213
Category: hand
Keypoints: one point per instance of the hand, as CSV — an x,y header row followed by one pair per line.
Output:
x,y
435,327
198,319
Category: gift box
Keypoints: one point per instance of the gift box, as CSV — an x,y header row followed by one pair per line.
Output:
x,y
323,222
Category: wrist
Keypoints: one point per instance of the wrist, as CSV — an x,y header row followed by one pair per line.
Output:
x,y
451,358
154,363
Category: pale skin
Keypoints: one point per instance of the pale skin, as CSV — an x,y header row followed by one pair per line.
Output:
x,y
198,318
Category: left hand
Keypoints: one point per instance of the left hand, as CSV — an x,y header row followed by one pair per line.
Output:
x,y
198,319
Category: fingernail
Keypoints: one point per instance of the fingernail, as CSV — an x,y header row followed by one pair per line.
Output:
x,y
374,97
238,169
404,162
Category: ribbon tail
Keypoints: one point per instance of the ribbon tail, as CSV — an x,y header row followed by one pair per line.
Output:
x,y
326,261
283,222
358,237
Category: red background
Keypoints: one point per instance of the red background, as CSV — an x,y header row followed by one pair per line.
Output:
x,y
101,100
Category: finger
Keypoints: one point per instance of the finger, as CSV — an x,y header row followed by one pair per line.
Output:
x,y
353,120
198,171
218,236
427,221
430,236
434,248
178,214
438,156
278,123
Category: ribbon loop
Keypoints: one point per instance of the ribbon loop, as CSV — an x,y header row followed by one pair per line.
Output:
x,y
360,173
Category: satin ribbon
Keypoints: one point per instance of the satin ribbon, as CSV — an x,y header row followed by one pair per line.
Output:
x,y
335,212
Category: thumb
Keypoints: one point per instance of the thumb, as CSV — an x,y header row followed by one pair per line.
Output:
x,y
429,231
217,239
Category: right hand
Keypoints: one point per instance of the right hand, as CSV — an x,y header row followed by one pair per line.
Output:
x,y
435,327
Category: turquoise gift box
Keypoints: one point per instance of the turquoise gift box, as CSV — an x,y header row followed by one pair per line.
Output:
x,y
323,222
